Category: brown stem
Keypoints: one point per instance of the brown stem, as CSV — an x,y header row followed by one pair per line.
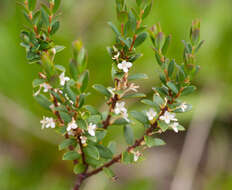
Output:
x,y
113,102
82,152
133,42
56,112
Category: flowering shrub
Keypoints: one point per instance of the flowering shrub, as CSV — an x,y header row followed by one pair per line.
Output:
x,y
63,92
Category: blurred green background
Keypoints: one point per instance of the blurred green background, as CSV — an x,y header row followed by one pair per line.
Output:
x,y
198,159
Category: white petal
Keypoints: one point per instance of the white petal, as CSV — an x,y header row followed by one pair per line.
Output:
x,y
91,132
120,66
129,64
175,129
125,70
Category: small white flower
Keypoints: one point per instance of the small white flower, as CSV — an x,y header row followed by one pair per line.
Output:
x,y
72,125
63,79
46,87
125,66
174,126
116,56
83,139
183,107
151,114
48,122
167,117
91,129
137,154
125,116
134,87
43,122
120,108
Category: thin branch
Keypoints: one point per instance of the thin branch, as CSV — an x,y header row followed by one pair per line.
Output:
x,y
106,122
82,153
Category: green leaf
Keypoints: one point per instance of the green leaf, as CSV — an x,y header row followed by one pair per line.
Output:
x,y
188,90
43,101
135,95
148,102
181,74
132,22
120,121
112,146
44,16
100,88
159,142
94,162
81,100
104,151
56,5
37,82
163,126
166,44
127,158
73,69
82,60
180,128
65,116
128,134
60,68
133,58
36,18
140,39
91,109
109,173
71,155
147,10
158,100
138,76
66,143
114,28
150,141
84,81
67,90
139,117
171,68
79,168
100,135
126,42
94,119
82,124
59,48
199,46
31,4
55,27
61,130
173,87
92,152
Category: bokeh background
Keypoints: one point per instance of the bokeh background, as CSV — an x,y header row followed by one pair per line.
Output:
x,y
197,159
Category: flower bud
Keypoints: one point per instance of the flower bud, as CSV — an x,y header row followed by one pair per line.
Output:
x,y
195,32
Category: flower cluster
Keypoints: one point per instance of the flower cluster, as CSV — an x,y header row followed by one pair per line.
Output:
x,y
63,92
